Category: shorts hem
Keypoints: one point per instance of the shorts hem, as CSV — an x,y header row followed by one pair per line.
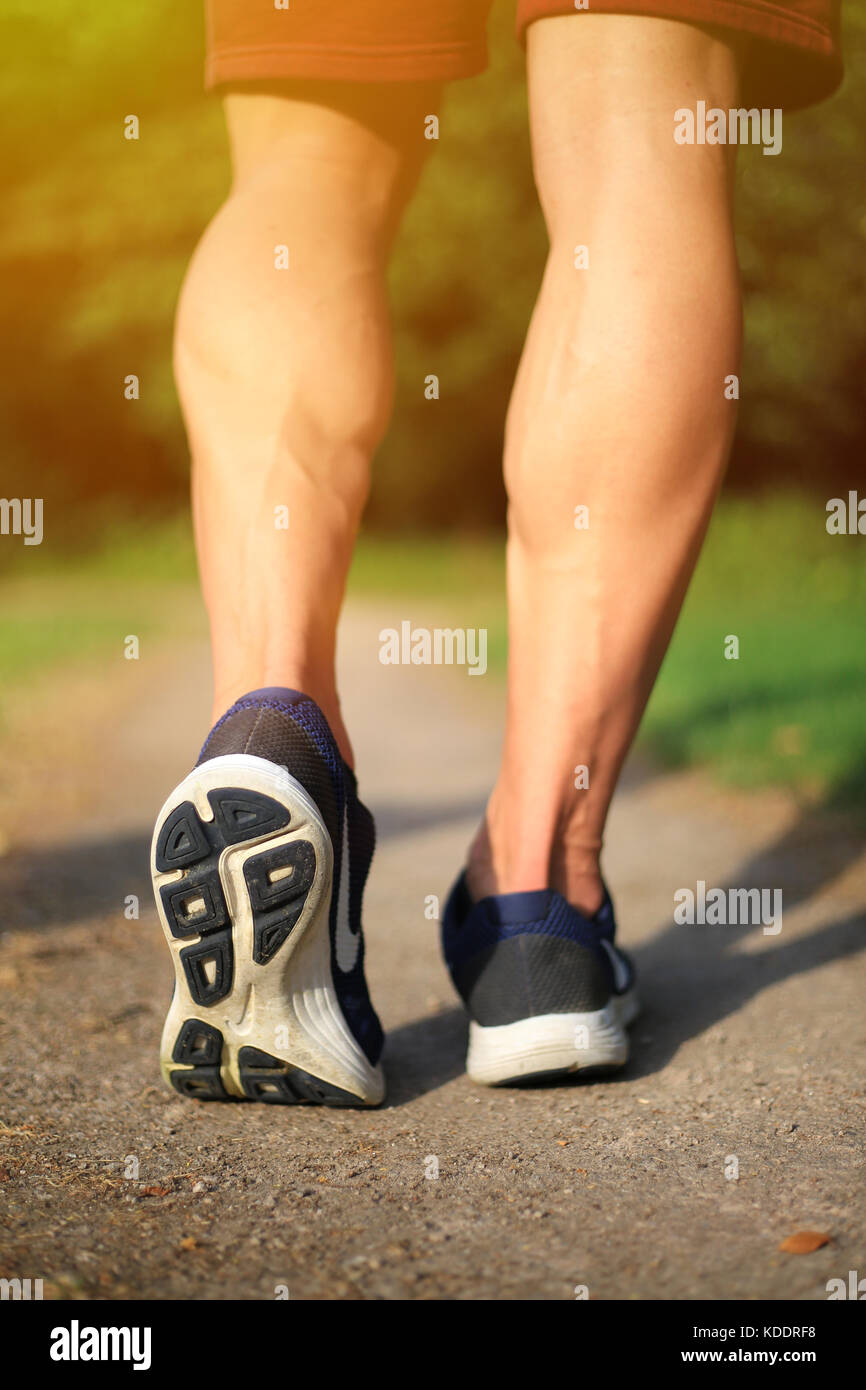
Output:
x,y
812,47
446,64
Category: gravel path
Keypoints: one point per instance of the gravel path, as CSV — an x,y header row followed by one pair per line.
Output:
x,y
750,1045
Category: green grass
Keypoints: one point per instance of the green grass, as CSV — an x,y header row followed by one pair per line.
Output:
x,y
57,608
425,567
790,711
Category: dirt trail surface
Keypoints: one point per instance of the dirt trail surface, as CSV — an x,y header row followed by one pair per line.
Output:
x,y
750,1046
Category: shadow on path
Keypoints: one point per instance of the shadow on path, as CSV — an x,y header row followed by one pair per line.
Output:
x,y
424,1055
60,885
689,976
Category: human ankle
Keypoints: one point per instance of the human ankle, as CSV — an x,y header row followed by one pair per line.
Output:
x,y
583,891
576,874
509,856
495,866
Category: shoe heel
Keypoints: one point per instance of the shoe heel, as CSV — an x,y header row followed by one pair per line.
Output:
x,y
243,868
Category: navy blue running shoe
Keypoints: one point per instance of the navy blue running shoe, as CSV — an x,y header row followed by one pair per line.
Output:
x,y
547,990
259,862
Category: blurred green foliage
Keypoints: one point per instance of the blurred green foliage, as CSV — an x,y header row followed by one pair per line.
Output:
x,y
788,712
97,232
790,709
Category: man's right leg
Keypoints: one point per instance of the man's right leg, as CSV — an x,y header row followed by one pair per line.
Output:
x,y
260,855
283,363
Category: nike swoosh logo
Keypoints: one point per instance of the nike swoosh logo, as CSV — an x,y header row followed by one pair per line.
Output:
x,y
347,944
620,971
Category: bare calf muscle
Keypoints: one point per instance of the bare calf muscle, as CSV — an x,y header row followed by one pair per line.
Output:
x,y
619,408
285,295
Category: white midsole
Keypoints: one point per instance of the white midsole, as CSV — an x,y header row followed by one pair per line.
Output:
x,y
287,1007
552,1042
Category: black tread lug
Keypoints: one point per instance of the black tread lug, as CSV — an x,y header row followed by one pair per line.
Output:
x,y
201,1083
278,905
218,947
241,814
198,1044
274,1082
177,898
182,839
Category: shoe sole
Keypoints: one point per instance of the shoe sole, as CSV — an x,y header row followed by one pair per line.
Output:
x,y
535,1049
242,867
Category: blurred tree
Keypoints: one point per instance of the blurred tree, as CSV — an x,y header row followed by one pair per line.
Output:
x,y
802,242
98,230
